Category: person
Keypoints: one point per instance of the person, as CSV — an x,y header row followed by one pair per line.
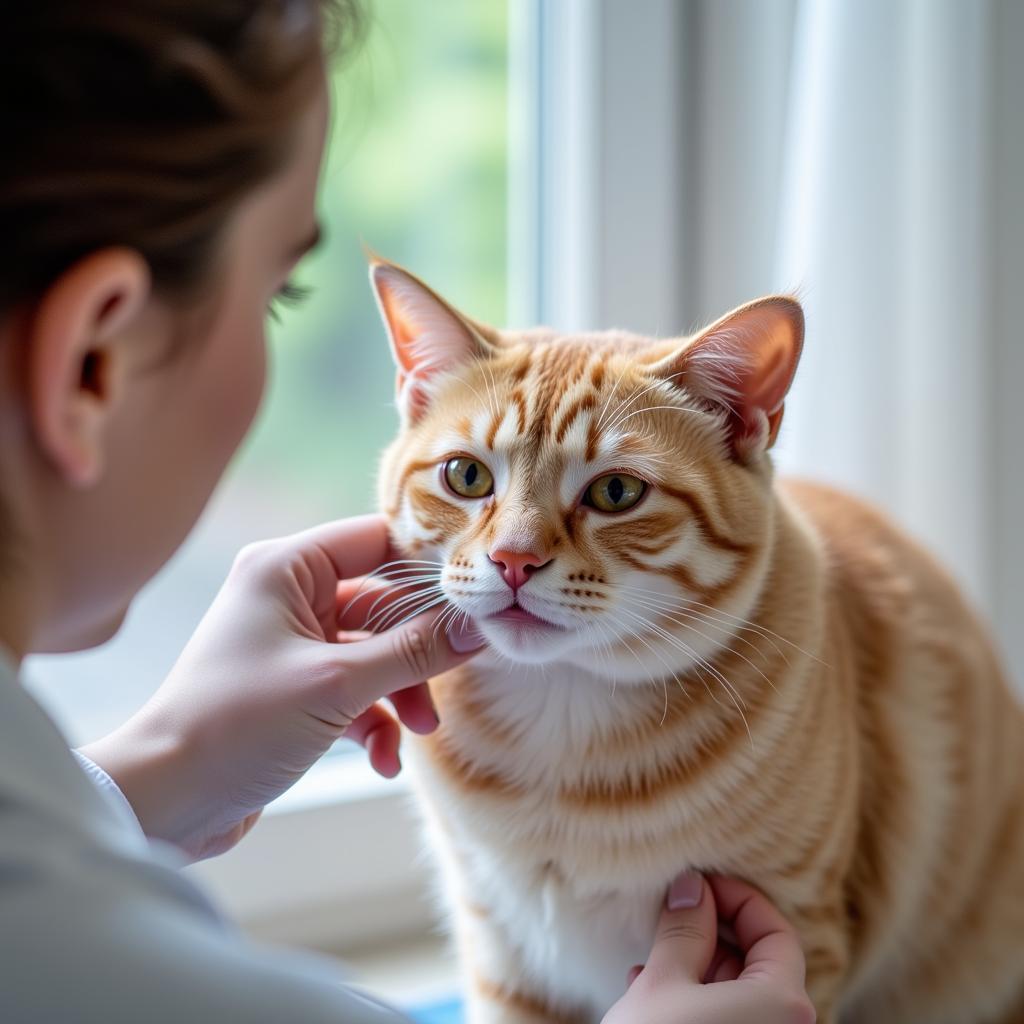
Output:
x,y
157,188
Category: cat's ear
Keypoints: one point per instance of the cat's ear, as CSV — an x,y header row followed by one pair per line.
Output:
x,y
427,335
744,364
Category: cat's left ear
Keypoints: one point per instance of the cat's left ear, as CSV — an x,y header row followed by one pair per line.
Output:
x,y
427,335
743,364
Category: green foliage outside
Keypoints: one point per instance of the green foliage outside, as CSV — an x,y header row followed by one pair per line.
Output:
x,y
416,170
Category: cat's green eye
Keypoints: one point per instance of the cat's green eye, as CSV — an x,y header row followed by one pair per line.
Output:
x,y
615,492
468,477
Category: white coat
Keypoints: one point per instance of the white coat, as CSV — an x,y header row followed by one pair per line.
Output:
x,y
99,926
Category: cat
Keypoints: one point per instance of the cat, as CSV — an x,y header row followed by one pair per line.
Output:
x,y
689,664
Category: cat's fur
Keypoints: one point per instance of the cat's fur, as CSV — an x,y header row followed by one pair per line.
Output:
x,y
767,681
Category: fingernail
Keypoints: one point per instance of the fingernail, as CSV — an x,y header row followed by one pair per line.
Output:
x,y
686,891
465,637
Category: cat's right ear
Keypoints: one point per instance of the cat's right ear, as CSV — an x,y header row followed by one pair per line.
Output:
x,y
427,336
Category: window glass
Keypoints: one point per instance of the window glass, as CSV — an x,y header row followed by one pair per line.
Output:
x,y
416,171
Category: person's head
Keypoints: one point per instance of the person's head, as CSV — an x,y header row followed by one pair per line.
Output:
x,y
157,188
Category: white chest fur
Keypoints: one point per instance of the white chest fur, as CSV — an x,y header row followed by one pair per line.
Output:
x,y
573,944
554,907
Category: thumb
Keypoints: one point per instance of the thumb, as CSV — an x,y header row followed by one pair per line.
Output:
x,y
687,931
401,657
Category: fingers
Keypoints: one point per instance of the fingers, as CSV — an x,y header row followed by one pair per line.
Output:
x,y
763,936
725,965
687,931
377,732
354,546
375,604
416,709
388,662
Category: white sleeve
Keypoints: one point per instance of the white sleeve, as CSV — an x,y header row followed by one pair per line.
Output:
x,y
97,927
109,790
100,939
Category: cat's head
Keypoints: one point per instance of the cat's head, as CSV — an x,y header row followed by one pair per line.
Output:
x,y
600,499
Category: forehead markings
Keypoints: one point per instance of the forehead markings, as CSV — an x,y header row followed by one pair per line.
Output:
x,y
555,369
492,431
519,401
578,405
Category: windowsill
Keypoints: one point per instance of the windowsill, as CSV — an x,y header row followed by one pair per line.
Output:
x,y
334,864
406,973
337,779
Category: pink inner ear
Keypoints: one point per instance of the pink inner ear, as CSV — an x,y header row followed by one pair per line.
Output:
x,y
402,329
775,357
745,363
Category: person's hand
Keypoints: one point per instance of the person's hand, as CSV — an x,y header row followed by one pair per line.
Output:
x,y
756,976
266,685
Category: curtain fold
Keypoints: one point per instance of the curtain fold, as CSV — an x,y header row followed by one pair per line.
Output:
x,y
858,153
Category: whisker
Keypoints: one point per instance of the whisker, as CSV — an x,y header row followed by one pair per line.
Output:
x,y
728,630
636,635
685,648
382,619
492,390
611,395
390,591
686,625
416,611
381,573
724,616
448,613
671,408
489,403
623,407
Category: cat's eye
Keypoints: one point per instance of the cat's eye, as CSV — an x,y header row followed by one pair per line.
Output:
x,y
615,492
468,477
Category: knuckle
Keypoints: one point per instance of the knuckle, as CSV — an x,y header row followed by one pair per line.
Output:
x,y
253,556
413,651
260,559
689,932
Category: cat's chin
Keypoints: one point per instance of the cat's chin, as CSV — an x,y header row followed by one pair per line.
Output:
x,y
526,642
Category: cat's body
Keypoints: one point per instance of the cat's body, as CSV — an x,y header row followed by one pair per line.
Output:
x,y
764,682
911,908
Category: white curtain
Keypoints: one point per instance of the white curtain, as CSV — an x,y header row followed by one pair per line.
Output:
x,y
869,154
693,154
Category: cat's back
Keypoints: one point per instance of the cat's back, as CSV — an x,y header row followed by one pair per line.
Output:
x,y
939,863
869,560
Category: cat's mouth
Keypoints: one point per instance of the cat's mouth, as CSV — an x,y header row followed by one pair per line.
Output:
x,y
515,614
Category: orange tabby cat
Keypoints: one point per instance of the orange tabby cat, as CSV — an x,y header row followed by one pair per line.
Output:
x,y
690,665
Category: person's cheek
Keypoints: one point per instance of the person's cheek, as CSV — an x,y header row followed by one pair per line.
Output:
x,y
237,384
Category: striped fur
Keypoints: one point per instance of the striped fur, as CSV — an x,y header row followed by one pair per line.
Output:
x,y
757,679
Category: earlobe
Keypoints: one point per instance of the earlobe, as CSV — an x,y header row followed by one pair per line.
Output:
x,y
75,366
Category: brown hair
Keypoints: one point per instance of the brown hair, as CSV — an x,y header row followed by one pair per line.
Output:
x,y
142,123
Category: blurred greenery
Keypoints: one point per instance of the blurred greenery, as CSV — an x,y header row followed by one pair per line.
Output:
x,y
416,171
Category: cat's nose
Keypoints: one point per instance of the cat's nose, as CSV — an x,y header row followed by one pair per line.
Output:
x,y
517,566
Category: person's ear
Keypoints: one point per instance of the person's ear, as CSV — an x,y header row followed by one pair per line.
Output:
x,y
76,366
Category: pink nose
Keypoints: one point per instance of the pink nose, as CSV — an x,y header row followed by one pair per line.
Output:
x,y
517,566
